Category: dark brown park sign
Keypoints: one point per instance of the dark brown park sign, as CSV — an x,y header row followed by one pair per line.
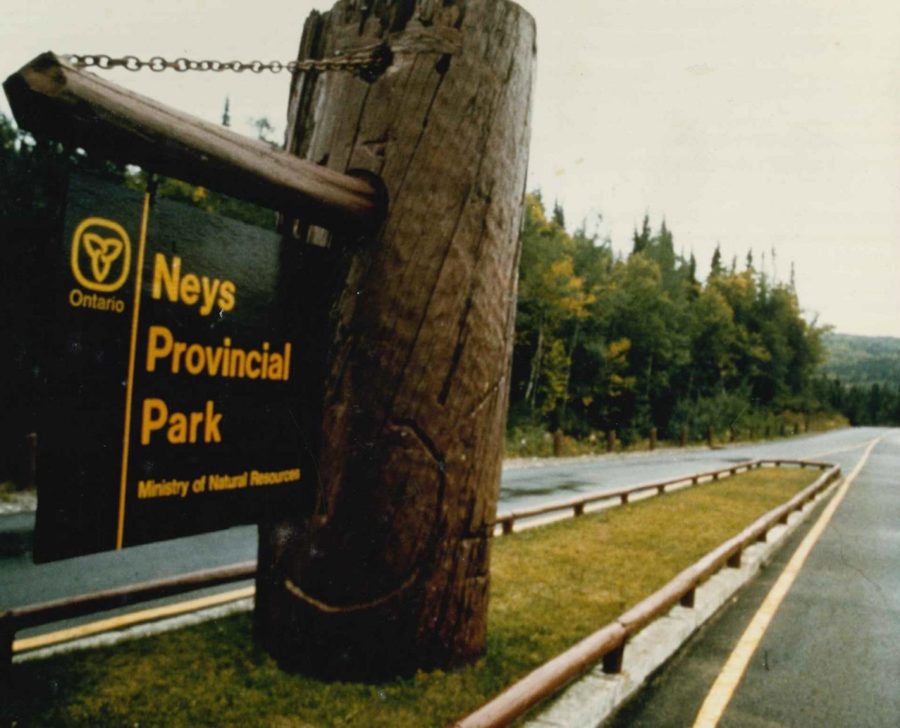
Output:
x,y
169,398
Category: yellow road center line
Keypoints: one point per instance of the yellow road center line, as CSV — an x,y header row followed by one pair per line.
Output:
x,y
129,390
723,688
127,620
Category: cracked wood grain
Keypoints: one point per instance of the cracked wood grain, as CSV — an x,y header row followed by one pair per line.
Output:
x,y
407,341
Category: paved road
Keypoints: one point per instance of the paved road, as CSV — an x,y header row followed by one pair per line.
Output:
x,y
22,582
552,480
830,655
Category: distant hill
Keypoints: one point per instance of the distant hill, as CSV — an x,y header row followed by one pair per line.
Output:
x,y
862,359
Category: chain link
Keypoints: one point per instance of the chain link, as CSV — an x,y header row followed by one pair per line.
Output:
x,y
368,62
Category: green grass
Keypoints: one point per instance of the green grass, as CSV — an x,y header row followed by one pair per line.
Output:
x,y
551,586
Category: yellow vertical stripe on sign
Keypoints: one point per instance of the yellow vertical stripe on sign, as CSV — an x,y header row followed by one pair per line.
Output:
x,y
129,388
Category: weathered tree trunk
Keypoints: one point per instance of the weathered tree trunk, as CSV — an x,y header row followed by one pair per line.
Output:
x,y
406,341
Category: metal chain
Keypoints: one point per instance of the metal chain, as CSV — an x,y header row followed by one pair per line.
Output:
x,y
368,62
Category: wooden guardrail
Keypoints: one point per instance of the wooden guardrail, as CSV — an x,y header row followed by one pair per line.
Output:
x,y
19,618
608,643
507,520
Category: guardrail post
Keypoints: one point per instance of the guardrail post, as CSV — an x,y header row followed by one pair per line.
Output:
x,y
652,439
579,509
557,443
507,526
610,440
763,537
660,489
687,599
624,498
710,438
612,660
684,436
734,561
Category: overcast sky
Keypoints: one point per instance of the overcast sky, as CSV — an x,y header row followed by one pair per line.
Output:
x,y
763,124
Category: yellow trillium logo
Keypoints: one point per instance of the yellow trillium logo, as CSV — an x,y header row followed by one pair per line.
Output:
x,y
101,254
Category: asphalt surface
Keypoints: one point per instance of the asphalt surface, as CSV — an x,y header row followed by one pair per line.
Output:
x,y
527,485
523,485
831,654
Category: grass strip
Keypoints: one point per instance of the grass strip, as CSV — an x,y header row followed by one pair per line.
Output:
x,y
551,586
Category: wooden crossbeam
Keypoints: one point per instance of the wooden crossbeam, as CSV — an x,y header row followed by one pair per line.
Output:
x,y
50,97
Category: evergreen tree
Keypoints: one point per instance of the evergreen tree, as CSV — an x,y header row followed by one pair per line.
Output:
x,y
715,266
559,217
642,240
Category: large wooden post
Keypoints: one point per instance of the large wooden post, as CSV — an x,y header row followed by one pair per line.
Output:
x,y
406,340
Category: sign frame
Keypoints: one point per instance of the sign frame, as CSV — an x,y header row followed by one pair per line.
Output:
x,y
205,421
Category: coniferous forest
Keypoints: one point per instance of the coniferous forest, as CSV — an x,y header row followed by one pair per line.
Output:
x,y
634,342
604,342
